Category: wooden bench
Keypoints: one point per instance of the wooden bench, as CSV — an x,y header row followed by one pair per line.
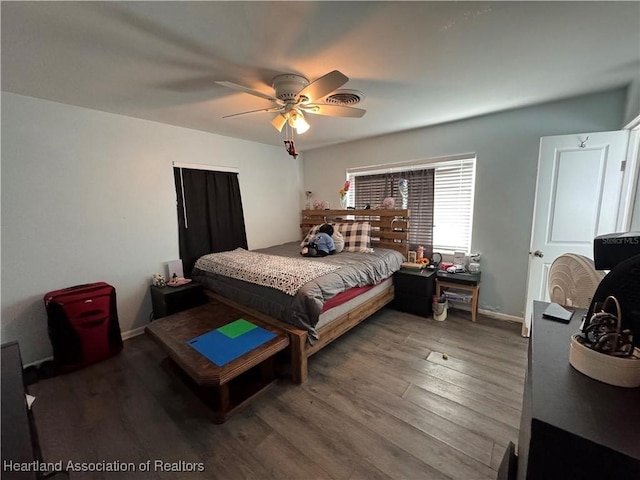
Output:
x,y
224,388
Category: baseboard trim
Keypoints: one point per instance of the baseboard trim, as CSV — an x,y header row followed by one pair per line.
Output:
x,y
37,362
125,336
501,316
132,333
490,313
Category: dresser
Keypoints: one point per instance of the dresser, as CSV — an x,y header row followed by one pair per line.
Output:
x,y
573,427
19,438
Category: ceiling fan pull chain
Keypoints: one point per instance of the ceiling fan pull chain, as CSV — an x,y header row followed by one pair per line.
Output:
x,y
289,144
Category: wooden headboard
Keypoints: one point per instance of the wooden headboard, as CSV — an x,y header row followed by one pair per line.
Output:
x,y
389,228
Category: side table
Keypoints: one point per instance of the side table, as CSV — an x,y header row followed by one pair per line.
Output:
x,y
414,290
169,300
473,289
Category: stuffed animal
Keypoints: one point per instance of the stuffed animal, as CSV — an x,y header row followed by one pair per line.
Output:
x,y
321,244
158,280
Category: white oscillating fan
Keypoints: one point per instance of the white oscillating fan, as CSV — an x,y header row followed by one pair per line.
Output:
x,y
573,280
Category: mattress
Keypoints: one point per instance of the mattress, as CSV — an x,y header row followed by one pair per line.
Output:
x,y
303,309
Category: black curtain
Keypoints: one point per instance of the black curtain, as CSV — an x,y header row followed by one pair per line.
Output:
x,y
210,217
372,189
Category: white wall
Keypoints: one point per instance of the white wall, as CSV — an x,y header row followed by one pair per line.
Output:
x,y
89,196
635,216
632,109
506,145
633,168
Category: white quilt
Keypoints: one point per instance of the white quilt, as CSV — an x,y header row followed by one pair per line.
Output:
x,y
282,273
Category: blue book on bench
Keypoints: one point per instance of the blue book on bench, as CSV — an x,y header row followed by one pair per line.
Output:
x,y
231,341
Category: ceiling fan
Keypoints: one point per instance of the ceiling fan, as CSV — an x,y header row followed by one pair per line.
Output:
x,y
294,96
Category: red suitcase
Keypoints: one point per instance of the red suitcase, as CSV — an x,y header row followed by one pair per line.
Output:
x,y
83,325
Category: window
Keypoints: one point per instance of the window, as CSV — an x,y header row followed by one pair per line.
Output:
x,y
440,197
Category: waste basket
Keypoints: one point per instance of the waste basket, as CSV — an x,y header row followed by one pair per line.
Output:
x,y
440,309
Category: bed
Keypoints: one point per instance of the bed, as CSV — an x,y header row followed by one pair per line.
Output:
x,y
333,293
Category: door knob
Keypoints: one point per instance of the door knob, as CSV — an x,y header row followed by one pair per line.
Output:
x,y
538,253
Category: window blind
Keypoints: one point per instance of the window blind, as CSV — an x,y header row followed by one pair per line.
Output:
x,y
453,206
440,199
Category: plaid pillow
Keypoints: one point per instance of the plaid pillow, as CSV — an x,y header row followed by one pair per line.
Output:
x,y
357,236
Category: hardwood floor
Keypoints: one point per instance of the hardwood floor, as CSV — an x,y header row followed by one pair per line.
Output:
x,y
380,403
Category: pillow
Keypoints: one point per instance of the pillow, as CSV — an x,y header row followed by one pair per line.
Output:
x,y
357,236
337,238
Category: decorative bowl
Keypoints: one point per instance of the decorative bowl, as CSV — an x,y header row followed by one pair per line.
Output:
x,y
618,371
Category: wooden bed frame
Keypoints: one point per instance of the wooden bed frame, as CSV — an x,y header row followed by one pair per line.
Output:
x,y
390,229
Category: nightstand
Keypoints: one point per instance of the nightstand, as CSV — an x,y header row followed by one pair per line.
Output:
x,y
442,285
414,290
170,300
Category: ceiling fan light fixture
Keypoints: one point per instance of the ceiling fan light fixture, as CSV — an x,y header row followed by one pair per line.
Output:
x,y
297,121
279,121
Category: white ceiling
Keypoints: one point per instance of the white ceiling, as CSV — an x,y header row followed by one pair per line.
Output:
x,y
418,63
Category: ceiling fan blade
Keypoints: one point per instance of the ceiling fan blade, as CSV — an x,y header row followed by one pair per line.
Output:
x,y
250,91
324,85
334,110
272,109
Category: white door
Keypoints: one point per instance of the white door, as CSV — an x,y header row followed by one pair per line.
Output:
x,y
578,194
